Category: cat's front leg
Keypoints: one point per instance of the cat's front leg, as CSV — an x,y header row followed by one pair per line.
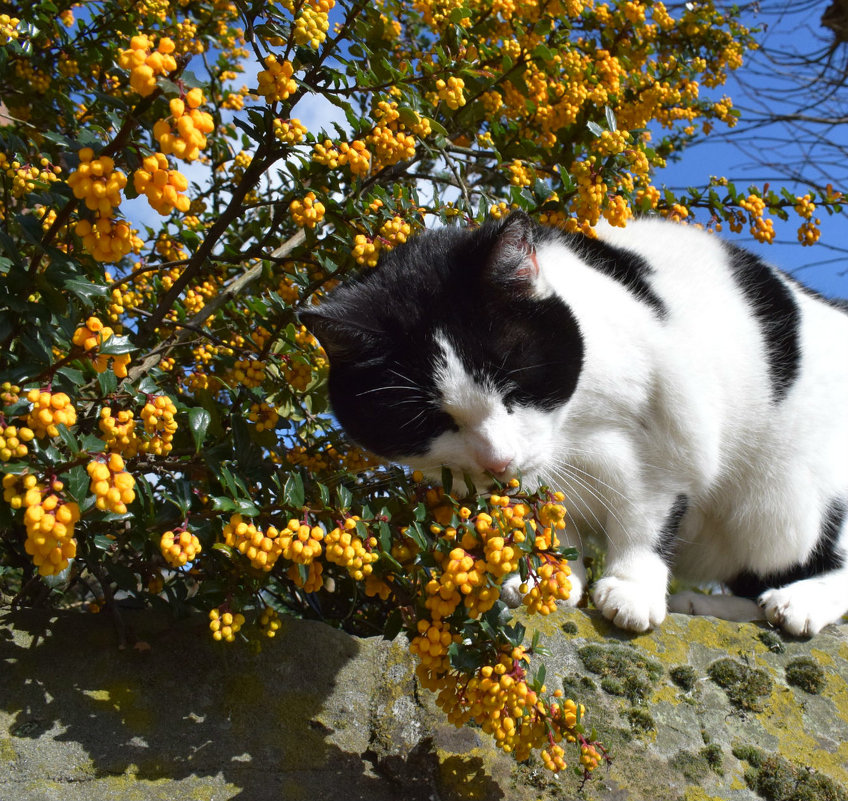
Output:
x,y
632,592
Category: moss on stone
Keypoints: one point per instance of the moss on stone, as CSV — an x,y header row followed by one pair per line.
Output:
x,y
714,757
640,720
683,676
805,674
570,627
772,641
624,671
774,778
693,766
744,685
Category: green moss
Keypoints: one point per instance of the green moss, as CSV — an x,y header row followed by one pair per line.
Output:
x,y
570,627
683,676
771,641
578,687
775,779
624,671
640,721
714,758
806,674
744,685
693,766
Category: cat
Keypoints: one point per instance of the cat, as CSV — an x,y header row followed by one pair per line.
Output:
x,y
689,400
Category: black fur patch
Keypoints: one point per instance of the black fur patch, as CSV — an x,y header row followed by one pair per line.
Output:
x,y
777,314
825,558
624,266
665,546
381,330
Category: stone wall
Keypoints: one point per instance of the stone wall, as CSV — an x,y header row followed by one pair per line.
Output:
x,y
701,709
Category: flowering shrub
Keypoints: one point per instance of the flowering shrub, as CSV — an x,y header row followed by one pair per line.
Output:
x,y
164,430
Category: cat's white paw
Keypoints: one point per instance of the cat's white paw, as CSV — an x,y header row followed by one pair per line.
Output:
x,y
512,597
631,605
797,608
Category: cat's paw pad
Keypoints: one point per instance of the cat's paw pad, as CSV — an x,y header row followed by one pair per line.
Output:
x,y
631,605
797,609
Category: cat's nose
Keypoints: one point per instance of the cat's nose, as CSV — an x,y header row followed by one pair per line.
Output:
x,y
497,467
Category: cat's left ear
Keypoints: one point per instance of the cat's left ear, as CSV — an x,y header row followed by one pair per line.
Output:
x,y
512,258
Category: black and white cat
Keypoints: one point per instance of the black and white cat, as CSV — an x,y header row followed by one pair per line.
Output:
x,y
689,400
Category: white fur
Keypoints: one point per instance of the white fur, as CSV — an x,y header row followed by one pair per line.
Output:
x,y
675,406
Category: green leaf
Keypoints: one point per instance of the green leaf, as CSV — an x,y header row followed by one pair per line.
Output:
x,y
293,493
198,421
77,483
345,497
108,382
594,128
610,115
447,480
221,503
116,346
68,438
393,625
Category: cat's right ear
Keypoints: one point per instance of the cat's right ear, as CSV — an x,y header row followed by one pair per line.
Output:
x,y
512,258
340,338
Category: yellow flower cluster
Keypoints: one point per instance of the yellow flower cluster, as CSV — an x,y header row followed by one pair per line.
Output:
x,y
8,28
307,213
90,337
290,131
145,63
179,547
263,415
97,182
451,92
49,409
261,548
159,425
275,81
366,251
269,622
249,372
344,547
26,177
49,521
162,186
225,625
311,26
111,484
118,431
183,134
13,441
106,240
301,543
354,154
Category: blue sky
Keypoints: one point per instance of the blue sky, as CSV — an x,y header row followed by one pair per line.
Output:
x,y
792,29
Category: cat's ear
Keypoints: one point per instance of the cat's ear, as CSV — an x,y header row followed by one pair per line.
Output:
x,y
341,338
512,258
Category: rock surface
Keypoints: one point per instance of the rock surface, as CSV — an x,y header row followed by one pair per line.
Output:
x,y
698,710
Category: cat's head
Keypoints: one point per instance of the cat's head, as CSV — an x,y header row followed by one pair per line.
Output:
x,y
453,351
